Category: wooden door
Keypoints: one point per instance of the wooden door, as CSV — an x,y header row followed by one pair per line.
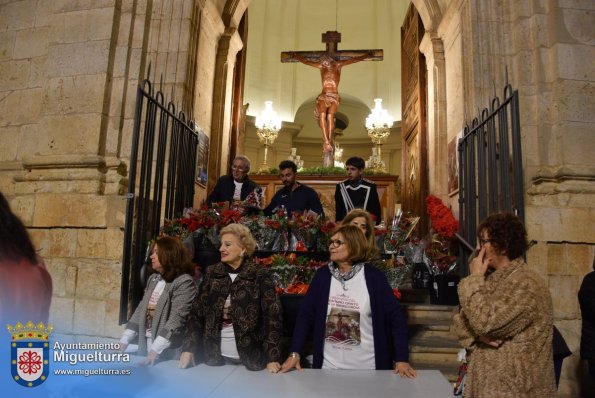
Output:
x,y
414,124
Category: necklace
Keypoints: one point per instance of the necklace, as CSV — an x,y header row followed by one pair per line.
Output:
x,y
344,277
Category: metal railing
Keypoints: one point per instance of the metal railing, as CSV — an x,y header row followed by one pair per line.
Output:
x,y
490,167
162,164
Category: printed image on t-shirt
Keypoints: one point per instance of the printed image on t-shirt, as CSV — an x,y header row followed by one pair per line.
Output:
x,y
342,327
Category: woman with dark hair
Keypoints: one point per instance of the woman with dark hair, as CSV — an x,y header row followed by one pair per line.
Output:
x,y
351,305
25,284
161,315
237,316
505,321
363,220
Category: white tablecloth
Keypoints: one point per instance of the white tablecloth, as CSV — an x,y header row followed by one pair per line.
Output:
x,y
166,380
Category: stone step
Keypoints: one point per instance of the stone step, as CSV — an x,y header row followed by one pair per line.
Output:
x,y
410,295
429,314
422,331
434,344
434,358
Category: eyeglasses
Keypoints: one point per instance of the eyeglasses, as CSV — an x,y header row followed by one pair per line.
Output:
x,y
238,167
336,243
483,241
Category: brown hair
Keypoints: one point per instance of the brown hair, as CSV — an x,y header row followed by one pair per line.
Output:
x,y
357,245
174,258
243,234
355,213
507,234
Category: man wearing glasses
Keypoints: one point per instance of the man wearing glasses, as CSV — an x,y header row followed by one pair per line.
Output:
x,y
356,192
236,187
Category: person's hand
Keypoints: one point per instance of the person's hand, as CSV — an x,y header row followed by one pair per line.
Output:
x,y
273,367
150,359
186,360
290,363
403,369
491,343
479,265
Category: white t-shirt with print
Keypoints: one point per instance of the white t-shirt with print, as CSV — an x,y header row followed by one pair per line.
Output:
x,y
349,340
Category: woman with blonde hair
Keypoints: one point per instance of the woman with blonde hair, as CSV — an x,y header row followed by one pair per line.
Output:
x,y
237,315
363,220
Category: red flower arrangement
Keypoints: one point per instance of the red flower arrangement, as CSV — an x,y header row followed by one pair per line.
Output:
x,y
443,221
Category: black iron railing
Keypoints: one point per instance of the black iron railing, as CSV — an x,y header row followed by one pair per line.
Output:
x,y
490,167
162,163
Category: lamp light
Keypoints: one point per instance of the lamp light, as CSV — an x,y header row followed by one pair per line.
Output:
x,y
268,125
378,124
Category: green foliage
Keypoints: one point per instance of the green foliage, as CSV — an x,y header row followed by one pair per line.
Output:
x,y
320,171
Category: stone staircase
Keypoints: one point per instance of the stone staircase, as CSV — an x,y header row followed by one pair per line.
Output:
x,y
432,343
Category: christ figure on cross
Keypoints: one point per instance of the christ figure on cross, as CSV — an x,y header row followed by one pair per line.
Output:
x,y
330,63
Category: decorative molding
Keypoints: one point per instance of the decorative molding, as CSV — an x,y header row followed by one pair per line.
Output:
x,y
563,179
71,162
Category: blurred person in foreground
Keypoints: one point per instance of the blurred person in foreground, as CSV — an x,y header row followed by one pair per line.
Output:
x,y
160,317
505,321
237,316
350,304
25,284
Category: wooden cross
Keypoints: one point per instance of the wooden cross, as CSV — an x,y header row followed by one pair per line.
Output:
x,y
330,63
331,39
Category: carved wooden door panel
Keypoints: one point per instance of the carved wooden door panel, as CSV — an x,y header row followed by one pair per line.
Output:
x,y
414,167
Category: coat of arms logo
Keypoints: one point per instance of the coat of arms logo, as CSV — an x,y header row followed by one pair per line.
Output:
x,y
29,353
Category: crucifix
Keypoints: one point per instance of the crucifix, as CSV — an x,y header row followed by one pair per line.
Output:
x,y
329,62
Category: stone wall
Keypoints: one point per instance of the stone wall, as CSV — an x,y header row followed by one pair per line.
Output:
x,y
68,78
69,73
541,47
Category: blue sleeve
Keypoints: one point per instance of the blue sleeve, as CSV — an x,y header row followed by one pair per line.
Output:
x,y
315,204
307,314
269,209
215,194
395,317
374,204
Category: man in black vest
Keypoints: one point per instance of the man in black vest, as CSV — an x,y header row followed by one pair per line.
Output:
x,y
235,187
356,192
294,196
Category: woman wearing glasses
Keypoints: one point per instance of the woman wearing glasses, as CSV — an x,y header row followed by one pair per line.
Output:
x,y
355,320
505,321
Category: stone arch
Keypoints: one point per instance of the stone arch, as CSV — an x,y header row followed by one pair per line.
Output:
x,y
429,10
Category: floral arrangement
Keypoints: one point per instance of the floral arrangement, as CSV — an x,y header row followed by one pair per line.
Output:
x,y
439,249
309,231
205,224
443,221
293,274
393,237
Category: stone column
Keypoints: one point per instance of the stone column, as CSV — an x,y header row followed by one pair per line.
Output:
x,y
433,49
